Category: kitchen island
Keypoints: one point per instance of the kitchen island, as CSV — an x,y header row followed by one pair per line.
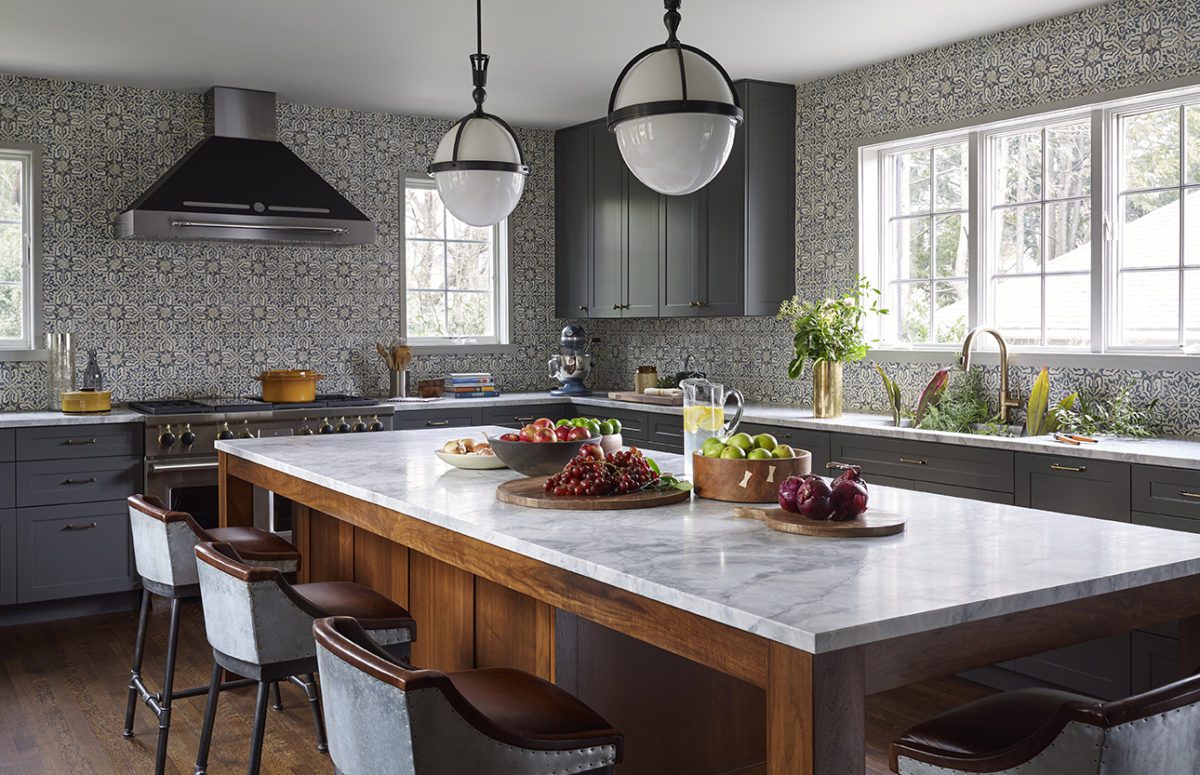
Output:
x,y
817,624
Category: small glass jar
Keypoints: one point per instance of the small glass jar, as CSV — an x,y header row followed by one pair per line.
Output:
x,y
645,377
60,369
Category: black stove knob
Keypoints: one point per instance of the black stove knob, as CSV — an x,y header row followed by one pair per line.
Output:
x,y
326,426
304,429
245,433
188,437
375,425
166,439
343,426
359,426
224,434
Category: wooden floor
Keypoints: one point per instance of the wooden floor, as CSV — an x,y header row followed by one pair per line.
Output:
x,y
63,688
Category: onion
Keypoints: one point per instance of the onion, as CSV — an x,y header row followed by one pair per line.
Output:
x,y
850,473
849,499
814,498
787,492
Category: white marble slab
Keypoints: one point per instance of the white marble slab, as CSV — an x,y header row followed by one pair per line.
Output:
x,y
32,419
958,561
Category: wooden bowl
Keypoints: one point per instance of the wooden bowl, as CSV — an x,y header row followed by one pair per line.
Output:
x,y
532,459
746,481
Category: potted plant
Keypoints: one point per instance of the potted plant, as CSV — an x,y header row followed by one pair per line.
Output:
x,y
829,333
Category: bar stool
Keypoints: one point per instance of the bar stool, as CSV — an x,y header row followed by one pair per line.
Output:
x,y
260,626
1050,732
163,548
385,716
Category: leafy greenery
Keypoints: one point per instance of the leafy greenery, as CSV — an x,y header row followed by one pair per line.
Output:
x,y
963,405
932,393
893,393
830,329
1116,415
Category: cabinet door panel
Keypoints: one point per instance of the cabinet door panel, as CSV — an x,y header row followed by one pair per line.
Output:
x,y
1168,491
644,245
46,482
8,485
985,469
1090,488
816,442
1100,668
770,205
7,445
665,432
443,418
971,493
723,274
71,551
683,256
1155,661
520,416
634,425
608,225
572,217
8,556
68,442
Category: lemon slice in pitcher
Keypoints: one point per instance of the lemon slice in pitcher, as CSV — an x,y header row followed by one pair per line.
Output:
x,y
703,418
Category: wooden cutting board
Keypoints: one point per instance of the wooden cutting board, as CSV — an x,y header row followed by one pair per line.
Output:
x,y
642,398
866,526
530,492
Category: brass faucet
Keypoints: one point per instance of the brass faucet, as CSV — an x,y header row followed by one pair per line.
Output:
x,y
1007,402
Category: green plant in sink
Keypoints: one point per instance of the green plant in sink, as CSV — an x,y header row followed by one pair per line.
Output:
x,y
1115,415
962,407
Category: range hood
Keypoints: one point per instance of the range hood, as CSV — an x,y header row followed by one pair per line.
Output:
x,y
241,183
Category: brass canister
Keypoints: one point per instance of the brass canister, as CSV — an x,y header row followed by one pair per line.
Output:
x,y
827,389
645,377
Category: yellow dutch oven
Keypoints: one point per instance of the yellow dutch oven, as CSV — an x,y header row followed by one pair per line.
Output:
x,y
289,386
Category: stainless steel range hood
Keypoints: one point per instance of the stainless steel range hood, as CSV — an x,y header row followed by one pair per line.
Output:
x,y
241,183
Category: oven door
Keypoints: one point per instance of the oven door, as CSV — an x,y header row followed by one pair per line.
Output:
x,y
187,485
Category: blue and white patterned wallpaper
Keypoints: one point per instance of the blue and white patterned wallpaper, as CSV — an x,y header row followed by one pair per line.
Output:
x,y
194,319
1118,45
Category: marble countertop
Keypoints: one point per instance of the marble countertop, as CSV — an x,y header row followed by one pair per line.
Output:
x,y
32,419
1174,453
959,560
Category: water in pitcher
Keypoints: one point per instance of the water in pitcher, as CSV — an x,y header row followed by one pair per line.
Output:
x,y
704,415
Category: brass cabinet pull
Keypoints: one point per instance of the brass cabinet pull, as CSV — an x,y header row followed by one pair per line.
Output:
x,y
1072,469
1193,495
914,461
70,442
89,480
437,423
522,419
88,526
834,465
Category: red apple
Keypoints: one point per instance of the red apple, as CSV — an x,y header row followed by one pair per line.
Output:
x,y
575,434
528,431
544,435
563,433
544,422
510,437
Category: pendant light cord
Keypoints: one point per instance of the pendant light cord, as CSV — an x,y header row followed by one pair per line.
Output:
x,y
479,62
479,27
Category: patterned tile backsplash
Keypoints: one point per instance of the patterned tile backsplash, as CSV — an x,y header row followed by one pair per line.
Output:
x,y
1107,47
193,319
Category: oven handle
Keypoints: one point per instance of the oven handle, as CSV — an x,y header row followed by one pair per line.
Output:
x,y
159,468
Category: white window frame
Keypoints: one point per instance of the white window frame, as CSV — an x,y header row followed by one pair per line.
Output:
x,y
501,290
26,347
1103,115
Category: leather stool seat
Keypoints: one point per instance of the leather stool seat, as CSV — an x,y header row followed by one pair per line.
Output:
x,y
346,598
254,545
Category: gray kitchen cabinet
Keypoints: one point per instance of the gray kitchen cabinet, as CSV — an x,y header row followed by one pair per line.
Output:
x,y
572,223
684,256
519,416
1090,488
78,442
8,556
664,432
48,482
816,442
8,485
416,420
1166,522
643,245
73,550
634,424
975,468
1155,661
971,493
609,209
7,446
1171,492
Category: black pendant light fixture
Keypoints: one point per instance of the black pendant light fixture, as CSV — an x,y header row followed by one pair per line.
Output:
x,y
479,166
674,112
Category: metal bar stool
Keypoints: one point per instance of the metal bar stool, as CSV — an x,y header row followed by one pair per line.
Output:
x,y
163,548
260,625
385,716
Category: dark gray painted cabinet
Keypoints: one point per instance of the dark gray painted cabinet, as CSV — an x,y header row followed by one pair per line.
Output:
x,y
520,416
664,432
681,266
1172,492
7,446
8,556
572,223
609,210
634,424
816,442
8,485
435,418
79,442
47,482
1155,661
965,468
72,551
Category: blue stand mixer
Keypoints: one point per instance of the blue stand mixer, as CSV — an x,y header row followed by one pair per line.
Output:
x,y
573,365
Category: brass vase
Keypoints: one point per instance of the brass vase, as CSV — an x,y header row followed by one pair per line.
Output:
x,y
827,389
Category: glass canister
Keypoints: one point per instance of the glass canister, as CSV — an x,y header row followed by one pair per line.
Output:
x,y
645,377
60,369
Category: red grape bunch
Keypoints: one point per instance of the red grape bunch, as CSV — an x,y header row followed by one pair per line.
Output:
x,y
591,472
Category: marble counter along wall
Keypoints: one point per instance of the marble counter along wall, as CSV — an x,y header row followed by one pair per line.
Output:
x,y
193,318
1093,51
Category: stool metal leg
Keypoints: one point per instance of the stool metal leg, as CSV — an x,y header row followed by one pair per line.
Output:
x,y
260,723
135,670
278,704
314,702
210,716
164,717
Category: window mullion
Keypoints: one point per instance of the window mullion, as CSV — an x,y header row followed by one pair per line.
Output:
x,y
1102,166
976,254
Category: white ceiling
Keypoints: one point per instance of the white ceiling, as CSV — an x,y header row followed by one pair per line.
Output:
x,y
553,63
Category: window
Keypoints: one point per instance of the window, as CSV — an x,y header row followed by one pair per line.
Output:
x,y
455,274
1070,231
18,283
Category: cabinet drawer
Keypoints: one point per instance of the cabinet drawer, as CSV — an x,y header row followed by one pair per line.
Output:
x,y
411,420
45,482
8,485
7,445
518,416
1173,492
1167,522
664,432
64,442
1100,668
971,493
72,551
1155,661
816,442
985,469
1089,488
634,425
8,556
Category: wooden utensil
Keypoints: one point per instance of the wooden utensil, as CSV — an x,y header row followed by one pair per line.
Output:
x,y
531,493
866,526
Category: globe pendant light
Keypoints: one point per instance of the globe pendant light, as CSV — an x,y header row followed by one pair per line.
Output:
x,y
674,112
479,167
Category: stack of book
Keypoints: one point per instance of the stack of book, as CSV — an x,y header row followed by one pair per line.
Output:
x,y
475,385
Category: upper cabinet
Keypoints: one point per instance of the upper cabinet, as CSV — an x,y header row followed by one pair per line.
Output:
x,y
623,250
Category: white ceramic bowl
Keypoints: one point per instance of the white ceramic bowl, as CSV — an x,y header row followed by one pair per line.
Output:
x,y
470,462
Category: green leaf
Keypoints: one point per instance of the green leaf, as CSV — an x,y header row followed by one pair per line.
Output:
x,y
893,393
1039,401
1054,421
932,393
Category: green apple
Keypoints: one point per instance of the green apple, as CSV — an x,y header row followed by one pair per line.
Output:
x,y
759,453
733,453
713,450
742,441
562,422
616,424
783,451
711,442
765,441
607,428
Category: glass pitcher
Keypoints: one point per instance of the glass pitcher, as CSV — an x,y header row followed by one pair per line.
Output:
x,y
704,415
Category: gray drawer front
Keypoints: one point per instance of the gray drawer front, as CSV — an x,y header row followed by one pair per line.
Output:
x,y
63,442
816,442
46,482
8,485
1167,522
1071,485
8,556
1100,668
664,432
518,416
1171,491
990,496
634,425
8,447
985,469
60,554
449,418
1155,661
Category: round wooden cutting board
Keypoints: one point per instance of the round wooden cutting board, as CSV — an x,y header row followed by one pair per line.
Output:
x,y
866,526
530,492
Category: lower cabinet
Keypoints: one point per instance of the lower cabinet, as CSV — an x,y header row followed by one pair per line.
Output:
x,y
435,418
8,556
73,550
664,432
1155,661
816,442
635,426
519,416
